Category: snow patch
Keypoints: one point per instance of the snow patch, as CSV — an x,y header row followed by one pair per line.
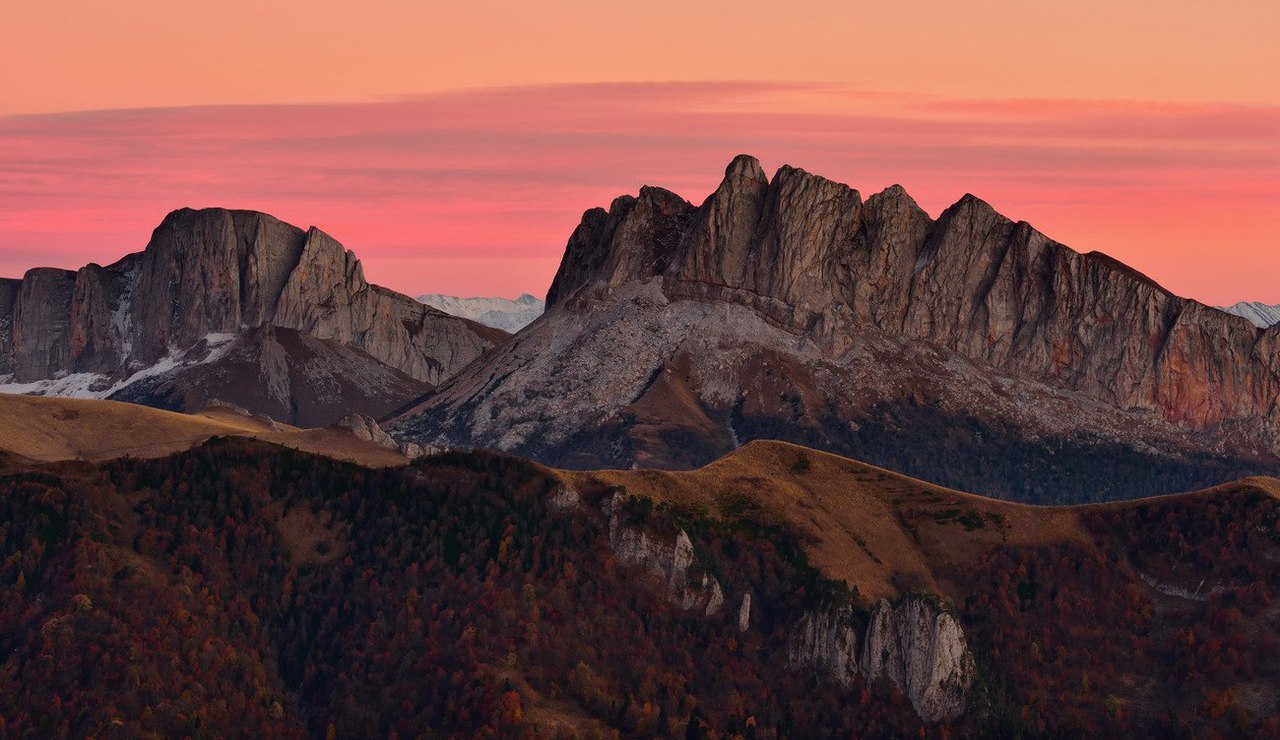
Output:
x,y
1262,315
500,313
97,385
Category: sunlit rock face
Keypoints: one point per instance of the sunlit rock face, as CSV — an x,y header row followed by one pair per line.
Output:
x,y
208,277
791,307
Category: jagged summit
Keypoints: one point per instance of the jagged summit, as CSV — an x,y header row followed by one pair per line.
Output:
x,y
791,307
737,234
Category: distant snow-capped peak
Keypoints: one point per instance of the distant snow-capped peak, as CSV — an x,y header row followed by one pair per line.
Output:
x,y
500,313
1259,313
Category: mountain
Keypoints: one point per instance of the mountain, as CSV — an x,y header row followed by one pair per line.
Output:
x,y
215,293
1262,315
500,313
246,588
969,349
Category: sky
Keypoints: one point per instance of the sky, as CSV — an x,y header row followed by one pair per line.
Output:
x,y
454,146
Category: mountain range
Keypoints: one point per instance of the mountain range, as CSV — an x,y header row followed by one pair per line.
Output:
x,y
1261,314
236,306
970,350
660,539
500,313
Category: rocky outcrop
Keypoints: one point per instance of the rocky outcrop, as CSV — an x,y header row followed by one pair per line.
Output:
x,y
916,645
415,450
672,563
214,273
362,426
826,642
794,308
365,427
920,647
810,255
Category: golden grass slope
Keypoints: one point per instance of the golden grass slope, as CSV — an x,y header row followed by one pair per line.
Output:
x,y
42,429
877,530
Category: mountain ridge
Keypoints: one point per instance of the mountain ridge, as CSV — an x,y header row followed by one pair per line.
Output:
x,y
500,313
865,305
780,589
217,273
1261,314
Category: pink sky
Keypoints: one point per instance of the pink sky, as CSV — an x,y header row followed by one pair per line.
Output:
x,y
453,146
475,192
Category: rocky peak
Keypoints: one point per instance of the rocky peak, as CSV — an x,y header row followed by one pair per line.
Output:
x,y
717,249
209,271
809,255
588,249
636,239
216,272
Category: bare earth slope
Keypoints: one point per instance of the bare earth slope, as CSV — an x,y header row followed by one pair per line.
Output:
x,y
288,375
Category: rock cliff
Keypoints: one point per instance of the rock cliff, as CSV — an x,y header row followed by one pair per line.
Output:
x,y
916,645
813,257
920,648
673,564
214,273
826,642
794,308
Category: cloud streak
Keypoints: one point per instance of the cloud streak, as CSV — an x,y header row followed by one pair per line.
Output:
x,y
475,192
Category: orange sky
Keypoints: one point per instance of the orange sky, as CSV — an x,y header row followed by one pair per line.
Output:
x,y
476,191
79,54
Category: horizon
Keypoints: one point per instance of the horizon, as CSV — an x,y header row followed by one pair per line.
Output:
x,y
541,294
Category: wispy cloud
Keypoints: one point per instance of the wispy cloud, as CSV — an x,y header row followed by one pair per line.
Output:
x,y
475,192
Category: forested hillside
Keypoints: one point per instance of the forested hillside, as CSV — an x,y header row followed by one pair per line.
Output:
x,y
246,589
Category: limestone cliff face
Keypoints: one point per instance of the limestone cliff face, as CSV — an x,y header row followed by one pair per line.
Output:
x,y
916,645
673,563
827,642
9,289
41,325
813,257
213,272
922,650
794,308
